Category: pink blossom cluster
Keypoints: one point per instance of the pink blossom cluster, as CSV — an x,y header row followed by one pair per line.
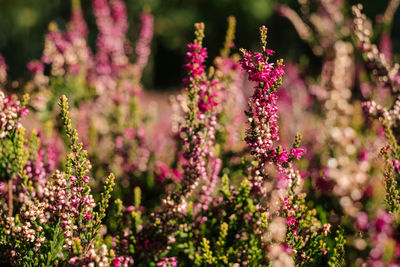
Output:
x,y
263,108
68,201
29,227
232,98
265,74
208,189
164,172
195,59
199,130
144,42
10,114
100,257
65,52
132,140
122,261
77,27
168,262
36,172
112,24
382,233
262,112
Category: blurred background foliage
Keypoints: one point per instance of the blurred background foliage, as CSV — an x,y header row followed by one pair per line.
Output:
x,y
23,24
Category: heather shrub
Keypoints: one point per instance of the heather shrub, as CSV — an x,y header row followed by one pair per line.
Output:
x,y
305,174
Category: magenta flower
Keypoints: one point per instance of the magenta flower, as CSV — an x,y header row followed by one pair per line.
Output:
x,y
86,179
285,247
283,157
23,111
297,152
383,221
396,165
291,221
362,221
88,216
293,224
144,40
195,59
35,66
77,25
263,132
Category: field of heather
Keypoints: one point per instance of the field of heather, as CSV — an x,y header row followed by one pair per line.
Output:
x,y
246,154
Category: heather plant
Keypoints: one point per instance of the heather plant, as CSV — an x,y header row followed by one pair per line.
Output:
x,y
348,134
386,74
383,72
214,182
102,85
47,212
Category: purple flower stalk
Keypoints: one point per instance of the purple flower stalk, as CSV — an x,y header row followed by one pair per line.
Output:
x,y
144,42
263,132
77,25
199,129
263,109
10,114
112,25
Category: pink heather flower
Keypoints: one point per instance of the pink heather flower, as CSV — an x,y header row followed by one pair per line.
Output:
x,y
130,208
59,41
171,239
207,101
286,203
198,132
363,155
247,216
144,40
260,71
86,179
118,12
291,221
263,102
177,175
164,171
396,165
283,157
297,152
88,216
195,59
362,221
129,133
112,24
77,25
383,221
73,260
23,111
52,154
168,262
35,66
285,247
72,178
122,261
119,141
